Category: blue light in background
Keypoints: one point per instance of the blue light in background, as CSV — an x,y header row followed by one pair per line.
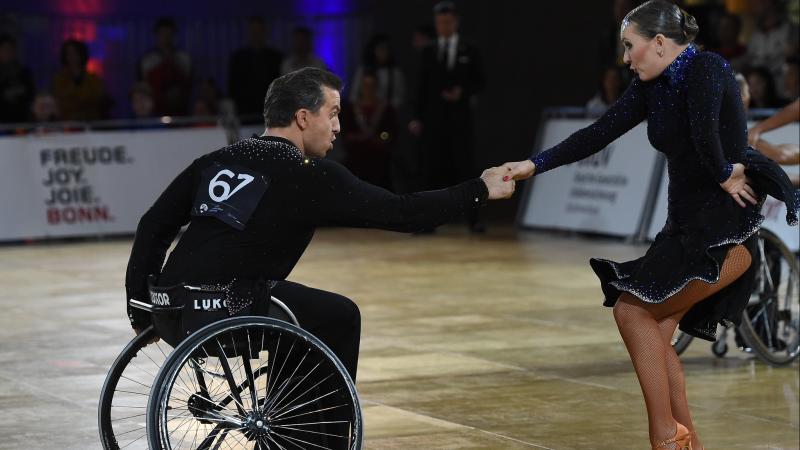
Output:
x,y
328,22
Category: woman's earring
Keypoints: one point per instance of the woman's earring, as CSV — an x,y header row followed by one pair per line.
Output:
x,y
660,53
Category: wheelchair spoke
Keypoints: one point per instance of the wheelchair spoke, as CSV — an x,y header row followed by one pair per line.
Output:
x,y
278,375
286,383
314,432
231,382
133,441
300,440
309,402
309,412
277,401
278,412
280,447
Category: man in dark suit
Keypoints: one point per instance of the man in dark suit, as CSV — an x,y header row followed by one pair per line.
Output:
x,y
450,76
252,68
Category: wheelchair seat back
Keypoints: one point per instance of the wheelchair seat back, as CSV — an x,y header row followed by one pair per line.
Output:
x,y
178,311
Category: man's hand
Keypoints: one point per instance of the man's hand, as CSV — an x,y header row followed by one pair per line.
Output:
x,y
737,185
495,183
520,170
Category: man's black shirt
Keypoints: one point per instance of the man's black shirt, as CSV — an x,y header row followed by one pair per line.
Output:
x,y
301,193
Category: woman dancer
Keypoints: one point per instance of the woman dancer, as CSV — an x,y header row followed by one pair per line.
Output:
x,y
698,271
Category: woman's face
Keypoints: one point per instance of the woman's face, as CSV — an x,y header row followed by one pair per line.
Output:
x,y
641,53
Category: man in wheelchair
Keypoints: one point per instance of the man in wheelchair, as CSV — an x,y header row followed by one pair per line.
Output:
x,y
252,208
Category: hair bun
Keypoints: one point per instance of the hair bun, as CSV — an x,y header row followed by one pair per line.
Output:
x,y
689,26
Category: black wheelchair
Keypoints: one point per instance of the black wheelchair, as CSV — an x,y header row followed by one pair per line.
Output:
x,y
242,382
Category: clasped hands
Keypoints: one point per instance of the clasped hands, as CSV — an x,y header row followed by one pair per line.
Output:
x,y
500,181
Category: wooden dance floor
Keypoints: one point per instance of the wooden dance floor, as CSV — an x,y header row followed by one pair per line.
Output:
x,y
469,342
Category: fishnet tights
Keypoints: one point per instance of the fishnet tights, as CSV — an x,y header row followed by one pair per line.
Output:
x,y
647,330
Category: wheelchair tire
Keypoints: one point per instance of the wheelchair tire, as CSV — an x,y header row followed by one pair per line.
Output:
x,y
222,406
123,399
771,321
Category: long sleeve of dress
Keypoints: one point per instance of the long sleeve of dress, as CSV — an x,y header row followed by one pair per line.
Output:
x,y
154,234
343,199
705,90
627,112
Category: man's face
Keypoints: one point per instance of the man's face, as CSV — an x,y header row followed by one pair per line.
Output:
x,y
321,127
446,24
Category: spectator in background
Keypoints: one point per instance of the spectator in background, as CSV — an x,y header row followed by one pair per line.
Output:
x,y
80,95
370,127
729,47
141,101
611,86
16,83
44,109
252,68
168,71
302,52
772,38
785,154
208,97
791,77
610,51
451,74
379,59
762,89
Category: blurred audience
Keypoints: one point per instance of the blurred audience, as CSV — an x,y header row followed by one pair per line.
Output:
x,y
142,101
301,53
16,83
369,125
762,89
380,60
80,95
44,108
451,74
252,68
611,87
610,51
208,97
168,71
772,38
728,44
791,77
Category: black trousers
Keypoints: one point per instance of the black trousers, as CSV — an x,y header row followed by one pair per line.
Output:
x,y
333,318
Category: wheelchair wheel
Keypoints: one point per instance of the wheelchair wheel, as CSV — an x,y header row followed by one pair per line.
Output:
x,y
253,383
680,341
771,321
123,399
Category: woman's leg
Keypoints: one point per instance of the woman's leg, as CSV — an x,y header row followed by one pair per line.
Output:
x,y
332,318
677,382
639,324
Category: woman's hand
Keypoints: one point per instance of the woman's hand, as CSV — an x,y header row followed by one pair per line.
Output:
x,y
520,170
738,186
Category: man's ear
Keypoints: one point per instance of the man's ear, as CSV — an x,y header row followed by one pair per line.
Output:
x,y
301,118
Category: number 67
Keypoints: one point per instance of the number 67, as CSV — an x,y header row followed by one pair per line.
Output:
x,y
226,188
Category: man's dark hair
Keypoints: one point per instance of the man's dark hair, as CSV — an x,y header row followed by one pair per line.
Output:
x,y
301,89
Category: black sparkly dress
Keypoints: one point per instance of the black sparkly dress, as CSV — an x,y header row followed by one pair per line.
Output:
x,y
696,118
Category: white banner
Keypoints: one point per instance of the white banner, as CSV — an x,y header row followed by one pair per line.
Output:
x,y
79,184
774,211
604,193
